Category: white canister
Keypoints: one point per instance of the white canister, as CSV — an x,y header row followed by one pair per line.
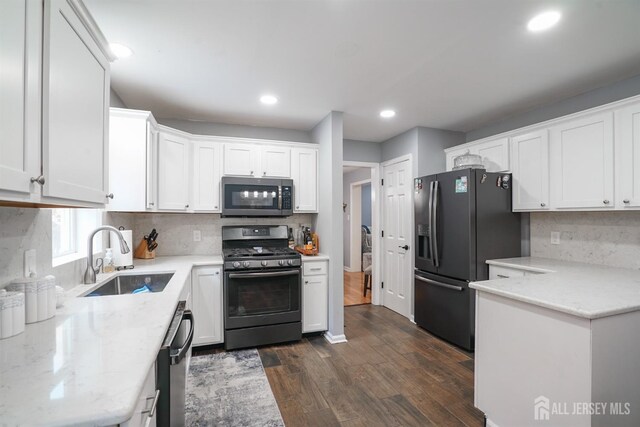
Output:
x,y
46,290
11,313
51,296
28,287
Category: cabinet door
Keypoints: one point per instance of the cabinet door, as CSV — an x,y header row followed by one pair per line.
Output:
x,y
75,109
153,139
19,136
315,309
127,162
582,163
495,154
276,162
628,156
530,167
206,176
173,172
304,165
206,290
241,159
498,272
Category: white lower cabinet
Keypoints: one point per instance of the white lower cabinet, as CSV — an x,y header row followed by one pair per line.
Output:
x,y
145,413
315,295
206,297
499,272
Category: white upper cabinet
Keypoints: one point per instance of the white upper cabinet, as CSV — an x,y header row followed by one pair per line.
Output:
x,y
530,166
241,159
75,107
132,158
628,156
304,167
173,172
206,176
582,163
276,162
257,160
19,96
494,153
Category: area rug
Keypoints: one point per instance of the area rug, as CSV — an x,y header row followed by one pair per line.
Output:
x,y
230,389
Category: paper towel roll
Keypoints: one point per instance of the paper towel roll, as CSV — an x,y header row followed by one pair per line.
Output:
x,y
120,259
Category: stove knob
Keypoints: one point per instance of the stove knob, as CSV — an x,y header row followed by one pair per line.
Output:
x,y
246,264
236,264
263,263
280,262
290,262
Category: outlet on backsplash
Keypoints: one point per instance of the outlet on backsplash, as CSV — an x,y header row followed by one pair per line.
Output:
x,y
555,237
197,236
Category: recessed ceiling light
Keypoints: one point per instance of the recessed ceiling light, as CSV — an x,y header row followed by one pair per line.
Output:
x,y
268,99
387,114
120,51
543,21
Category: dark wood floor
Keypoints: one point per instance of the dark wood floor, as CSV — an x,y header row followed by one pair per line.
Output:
x,y
390,373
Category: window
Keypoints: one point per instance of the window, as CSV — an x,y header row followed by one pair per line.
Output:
x,y
70,229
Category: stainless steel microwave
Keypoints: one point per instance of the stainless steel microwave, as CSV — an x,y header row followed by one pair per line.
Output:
x,y
256,197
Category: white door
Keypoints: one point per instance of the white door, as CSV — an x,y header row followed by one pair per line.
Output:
x,y
397,226
495,155
173,172
75,108
304,167
19,140
206,176
241,159
530,167
628,156
582,163
206,294
314,299
276,162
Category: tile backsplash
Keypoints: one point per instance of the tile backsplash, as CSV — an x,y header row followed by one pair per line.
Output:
x,y
176,230
606,238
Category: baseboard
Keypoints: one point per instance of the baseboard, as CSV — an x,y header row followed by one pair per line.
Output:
x,y
412,319
334,339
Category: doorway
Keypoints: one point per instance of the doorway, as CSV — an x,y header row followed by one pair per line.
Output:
x,y
360,224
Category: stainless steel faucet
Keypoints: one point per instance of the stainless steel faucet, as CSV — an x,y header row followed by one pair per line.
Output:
x,y
90,272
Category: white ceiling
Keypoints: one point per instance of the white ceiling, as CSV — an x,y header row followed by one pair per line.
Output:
x,y
449,64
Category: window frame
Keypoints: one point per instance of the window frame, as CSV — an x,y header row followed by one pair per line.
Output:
x,y
82,222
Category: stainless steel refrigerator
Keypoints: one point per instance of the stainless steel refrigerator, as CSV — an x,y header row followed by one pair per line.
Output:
x,y
463,218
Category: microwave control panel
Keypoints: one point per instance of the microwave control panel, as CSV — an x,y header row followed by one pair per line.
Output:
x,y
286,197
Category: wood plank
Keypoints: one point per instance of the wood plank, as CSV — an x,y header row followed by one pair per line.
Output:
x,y
353,289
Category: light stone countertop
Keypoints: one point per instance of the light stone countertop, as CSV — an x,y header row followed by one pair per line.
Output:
x,y
584,290
87,365
319,257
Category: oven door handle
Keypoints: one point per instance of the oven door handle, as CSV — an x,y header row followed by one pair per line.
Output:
x,y
177,356
271,274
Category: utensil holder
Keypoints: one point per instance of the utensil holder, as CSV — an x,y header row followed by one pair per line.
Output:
x,y
142,251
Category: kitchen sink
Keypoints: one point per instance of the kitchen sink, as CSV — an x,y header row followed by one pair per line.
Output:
x,y
127,284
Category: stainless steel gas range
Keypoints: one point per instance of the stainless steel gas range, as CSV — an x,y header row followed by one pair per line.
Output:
x,y
262,286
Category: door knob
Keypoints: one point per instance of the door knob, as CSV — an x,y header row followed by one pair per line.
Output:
x,y
39,180
110,196
405,247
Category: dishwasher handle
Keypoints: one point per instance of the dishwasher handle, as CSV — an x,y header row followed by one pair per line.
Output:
x,y
180,353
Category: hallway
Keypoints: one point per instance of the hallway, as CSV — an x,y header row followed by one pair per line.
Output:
x,y
353,289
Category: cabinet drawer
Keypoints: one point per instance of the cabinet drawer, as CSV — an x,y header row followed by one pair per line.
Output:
x,y
497,272
314,268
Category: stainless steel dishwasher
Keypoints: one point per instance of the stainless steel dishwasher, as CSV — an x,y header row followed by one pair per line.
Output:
x,y
172,365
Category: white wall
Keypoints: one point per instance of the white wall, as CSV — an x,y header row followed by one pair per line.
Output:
x,y
606,238
328,134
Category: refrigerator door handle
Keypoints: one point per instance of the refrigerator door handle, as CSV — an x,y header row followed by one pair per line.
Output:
x,y
434,226
442,285
430,219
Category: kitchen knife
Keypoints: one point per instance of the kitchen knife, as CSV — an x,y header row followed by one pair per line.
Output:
x,y
153,247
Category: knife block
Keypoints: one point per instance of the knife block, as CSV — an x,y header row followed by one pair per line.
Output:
x,y
142,251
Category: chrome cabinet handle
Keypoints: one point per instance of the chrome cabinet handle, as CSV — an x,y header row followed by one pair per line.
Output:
x,y
264,173
606,202
110,196
154,405
251,173
186,206
151,204
306,282
543,204
297,207
215,207
626,201
39,180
